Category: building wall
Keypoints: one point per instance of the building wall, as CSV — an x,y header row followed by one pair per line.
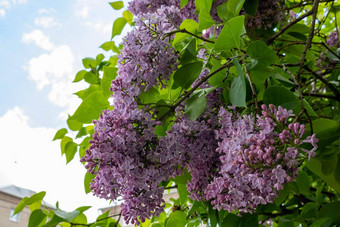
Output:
x,y
8,202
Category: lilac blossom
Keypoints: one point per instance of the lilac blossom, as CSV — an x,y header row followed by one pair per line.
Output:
x,y
332,39
257,158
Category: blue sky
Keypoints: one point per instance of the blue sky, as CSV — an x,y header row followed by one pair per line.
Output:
x,y
42,43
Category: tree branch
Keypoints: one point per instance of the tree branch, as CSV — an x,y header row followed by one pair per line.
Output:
x,y
310,37
271,39
330,86
186,31
303,109
187,94
320,96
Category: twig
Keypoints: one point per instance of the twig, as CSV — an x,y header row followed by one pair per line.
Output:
x,y
310,37
330,86
303,109
320,96
187,94
253,90
120,215
271,39
186,31
330,50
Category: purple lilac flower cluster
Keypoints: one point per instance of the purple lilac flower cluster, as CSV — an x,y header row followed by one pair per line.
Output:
x,y
257,159
130,161
333,39
143,7
269,13
123,152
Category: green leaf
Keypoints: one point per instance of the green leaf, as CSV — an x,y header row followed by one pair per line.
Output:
x,y
203,5
54,221
176,219
250,7
73,124
79,76
109,74
187,74
309,210
64,142
183,193
89,63
83,208
60,134
87,181
189,25
280,96
231,220
182,179
184,3
86,92
249,220
204,20
82,132
118,26
128,17
110,45
315,166
328,163
99,58
237,92
223,12
189,53
69,216
331,211
150,96
91,107
219,79
37,217
117,5
195,105
28,201
303,183
326,130
235,6
91,78
213,216
230,35
21,205
262,56
70,151
80,219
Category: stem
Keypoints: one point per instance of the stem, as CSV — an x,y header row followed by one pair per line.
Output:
x,y
303,109
187,94
321,96
310,37
330,86
186,31
253,90
271,39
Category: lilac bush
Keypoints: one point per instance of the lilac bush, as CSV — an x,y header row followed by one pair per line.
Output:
x,y
235,161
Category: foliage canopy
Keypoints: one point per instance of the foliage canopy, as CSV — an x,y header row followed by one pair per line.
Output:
x,y
192,70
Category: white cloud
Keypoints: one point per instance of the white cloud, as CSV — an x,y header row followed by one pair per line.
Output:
x,y
45,22
5,4
45,11
49,68
39,38
2,13
19,2
100,27
83,12
30,159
